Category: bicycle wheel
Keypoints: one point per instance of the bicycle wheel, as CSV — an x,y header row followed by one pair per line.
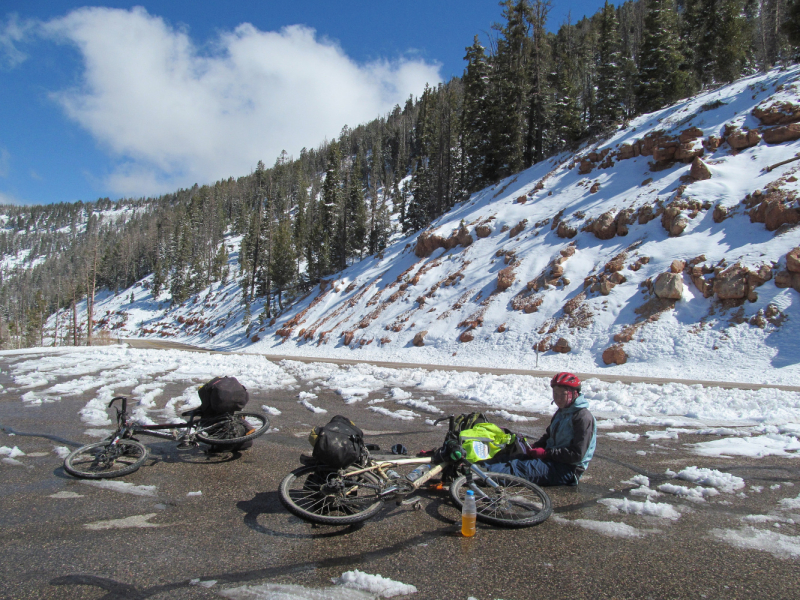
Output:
x,y
104,459
516,502
231,430
322,495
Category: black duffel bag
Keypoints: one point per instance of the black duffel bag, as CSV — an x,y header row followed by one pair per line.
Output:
x,y
222,395
339,444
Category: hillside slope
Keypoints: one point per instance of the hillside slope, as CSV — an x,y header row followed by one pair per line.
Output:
x,y
662,248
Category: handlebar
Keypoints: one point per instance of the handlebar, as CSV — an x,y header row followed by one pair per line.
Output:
x,y
451,425
452,448
124,403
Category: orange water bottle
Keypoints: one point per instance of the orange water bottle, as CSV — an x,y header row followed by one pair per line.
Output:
x,y
468,513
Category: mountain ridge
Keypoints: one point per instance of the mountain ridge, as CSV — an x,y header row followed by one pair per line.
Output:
x,y
633,250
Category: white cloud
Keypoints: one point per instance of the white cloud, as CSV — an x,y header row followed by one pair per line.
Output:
x,y
9,199
11,33
176,114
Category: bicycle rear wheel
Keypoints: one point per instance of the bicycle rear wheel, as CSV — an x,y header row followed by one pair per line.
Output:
x,y
106,459
321,495
516,502
232,430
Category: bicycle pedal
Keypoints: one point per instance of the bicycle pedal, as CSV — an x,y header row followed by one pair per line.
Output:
x,y
187,445
412,500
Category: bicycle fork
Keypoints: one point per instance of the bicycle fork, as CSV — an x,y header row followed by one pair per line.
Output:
x,y
479,493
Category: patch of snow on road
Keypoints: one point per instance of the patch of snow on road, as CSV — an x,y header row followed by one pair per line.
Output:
x,y
61,451
376,584
311,407
421,405
790,503
696,494
137,521
403,415
504,414
11,452
277,591
609,528
65,495
773,444
750,538
625,436
724,482
122,487
646,508
397,393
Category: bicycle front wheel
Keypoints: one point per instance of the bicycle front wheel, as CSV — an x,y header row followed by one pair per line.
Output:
x,y
515,502
106,459
230,430
323,495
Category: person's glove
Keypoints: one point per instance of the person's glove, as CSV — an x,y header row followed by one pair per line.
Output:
x,y
536,453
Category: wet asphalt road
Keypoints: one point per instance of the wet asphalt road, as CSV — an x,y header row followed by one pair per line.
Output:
x,y
237,533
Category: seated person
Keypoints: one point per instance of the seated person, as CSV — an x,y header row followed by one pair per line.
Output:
x,y
562,454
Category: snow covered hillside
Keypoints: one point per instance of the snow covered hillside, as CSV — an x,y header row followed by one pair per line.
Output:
x,y
664,250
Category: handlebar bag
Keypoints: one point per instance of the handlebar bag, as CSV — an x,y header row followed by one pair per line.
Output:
x,y
483,441
222,395
338,444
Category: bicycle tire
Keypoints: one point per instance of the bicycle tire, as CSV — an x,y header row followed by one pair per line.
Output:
x,y
103,460
223,431
517,502
303,493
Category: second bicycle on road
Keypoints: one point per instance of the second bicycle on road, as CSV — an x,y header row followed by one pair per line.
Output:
x,y
121,454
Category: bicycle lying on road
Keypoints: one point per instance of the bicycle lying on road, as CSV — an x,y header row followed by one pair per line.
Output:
x,y
329,496
121,454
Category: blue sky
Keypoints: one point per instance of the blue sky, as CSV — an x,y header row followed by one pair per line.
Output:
x,y
136,99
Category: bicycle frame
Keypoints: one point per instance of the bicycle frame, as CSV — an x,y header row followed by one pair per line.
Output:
x,y
127,428
379,467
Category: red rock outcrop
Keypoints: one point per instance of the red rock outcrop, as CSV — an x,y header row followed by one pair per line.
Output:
x,y
731,284
668,286
699,170
777,113
427,242
793,260
615,355
505,278
784,133
562,346
775,209
518,228
605,226
740,140
565,231
483,231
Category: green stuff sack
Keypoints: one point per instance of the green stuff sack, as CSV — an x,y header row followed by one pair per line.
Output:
x,y
484,440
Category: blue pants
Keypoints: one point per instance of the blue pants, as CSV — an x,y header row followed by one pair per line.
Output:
x,y
540,472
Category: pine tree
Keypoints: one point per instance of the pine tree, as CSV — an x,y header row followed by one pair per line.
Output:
x,y
508,93
566,121
732,41
609,84
475,118
791,24
283,266
539,69
662,77
355,215
330,213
